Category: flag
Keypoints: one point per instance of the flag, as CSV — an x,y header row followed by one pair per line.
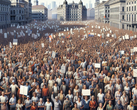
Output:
x,y
50,38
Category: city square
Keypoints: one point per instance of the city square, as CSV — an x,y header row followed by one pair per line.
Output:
x,y
62,58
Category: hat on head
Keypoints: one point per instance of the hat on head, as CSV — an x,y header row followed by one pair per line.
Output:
x,y
13,81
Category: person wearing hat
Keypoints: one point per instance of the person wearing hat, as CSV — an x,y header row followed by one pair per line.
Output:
x,y
57,102
27,103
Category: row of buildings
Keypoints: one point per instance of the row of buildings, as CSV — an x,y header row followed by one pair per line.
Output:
x,y
121,14
20,12
15,11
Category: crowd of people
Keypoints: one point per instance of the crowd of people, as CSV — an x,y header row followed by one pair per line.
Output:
x,y
56,82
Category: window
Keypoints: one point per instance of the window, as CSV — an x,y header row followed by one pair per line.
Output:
x,y
127,17
123,17
132,18
132,8
135,8
135,17
122,8
127,8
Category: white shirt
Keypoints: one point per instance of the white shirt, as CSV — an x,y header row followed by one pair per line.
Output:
x,y
3,99
101,97
27,102
13,88
48,106
127,89
34,99
59,81
134,90
18,106
70,97
79,104
13,100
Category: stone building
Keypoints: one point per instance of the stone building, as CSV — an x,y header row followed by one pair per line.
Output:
x,y
129,19
72,12
116,13
20,11
5,13
102,12
39,13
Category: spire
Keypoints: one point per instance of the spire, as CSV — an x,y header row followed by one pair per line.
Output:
x,y
80,2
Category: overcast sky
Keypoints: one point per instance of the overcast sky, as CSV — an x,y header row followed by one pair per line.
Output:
x,y
61,1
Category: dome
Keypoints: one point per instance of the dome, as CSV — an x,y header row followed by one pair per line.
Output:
x,y
65,2
80,2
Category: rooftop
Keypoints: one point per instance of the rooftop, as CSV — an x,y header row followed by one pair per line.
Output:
x,y
38,7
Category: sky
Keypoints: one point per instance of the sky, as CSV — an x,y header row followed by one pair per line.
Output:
x,y
69,1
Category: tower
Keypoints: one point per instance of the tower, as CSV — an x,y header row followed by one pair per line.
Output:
x,y
97,2
65,11
35,2
80,6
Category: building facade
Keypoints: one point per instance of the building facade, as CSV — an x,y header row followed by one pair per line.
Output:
x,y
72,12
20,11
129,20
117,13
5,13
39,13
102,12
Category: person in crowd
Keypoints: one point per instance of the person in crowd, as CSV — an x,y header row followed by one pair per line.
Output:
x,y
48,105
93,104
12,102
19,106
41,104
75,107
27,103
57,102
34,107
65,67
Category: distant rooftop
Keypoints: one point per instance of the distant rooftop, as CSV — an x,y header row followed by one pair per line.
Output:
x,y
38,7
